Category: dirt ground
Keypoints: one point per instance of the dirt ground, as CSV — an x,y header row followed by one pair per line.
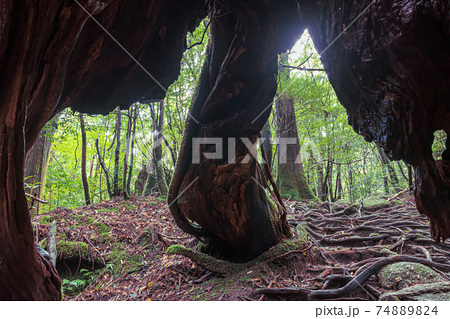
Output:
x,y
116,250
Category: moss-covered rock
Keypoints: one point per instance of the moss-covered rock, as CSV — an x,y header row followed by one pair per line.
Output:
x,y
372,204
404,274
72,250
438,291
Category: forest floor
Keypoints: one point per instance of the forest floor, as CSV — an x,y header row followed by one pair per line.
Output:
x,y
116,250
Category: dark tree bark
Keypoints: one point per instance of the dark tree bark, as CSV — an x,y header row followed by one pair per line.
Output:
x,y
45,46
87,195
388,63
338,187
228,199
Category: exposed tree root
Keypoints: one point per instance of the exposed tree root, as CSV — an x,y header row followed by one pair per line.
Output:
x,y
355,283
225,268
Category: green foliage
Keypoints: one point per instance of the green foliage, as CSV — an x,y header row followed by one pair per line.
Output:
x,y
73,287
77,284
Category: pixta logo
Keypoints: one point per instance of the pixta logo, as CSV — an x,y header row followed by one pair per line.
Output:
x,y
308,149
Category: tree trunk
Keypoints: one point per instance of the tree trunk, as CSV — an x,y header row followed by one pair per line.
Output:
x,y
338,190
36,164
266,134
321,185
350,184
390,170
227,198
105,170
87,195
291,179
125,192
116,189
133,136
157,150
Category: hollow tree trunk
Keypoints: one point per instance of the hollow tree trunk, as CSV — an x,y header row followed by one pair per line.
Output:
x,y
26,41
388,63
38,41
225,195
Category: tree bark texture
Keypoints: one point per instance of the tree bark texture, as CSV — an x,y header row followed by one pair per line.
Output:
x,y
228,199
388,62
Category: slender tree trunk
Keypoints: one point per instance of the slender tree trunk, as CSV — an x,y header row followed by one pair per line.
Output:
x,y
87,195
390,170
36,164
125,192
116,189
105,170
350,184
338,190
133,136
410,179
291,179
321,186
157,151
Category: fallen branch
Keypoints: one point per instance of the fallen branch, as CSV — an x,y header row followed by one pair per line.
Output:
x,y
36,198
